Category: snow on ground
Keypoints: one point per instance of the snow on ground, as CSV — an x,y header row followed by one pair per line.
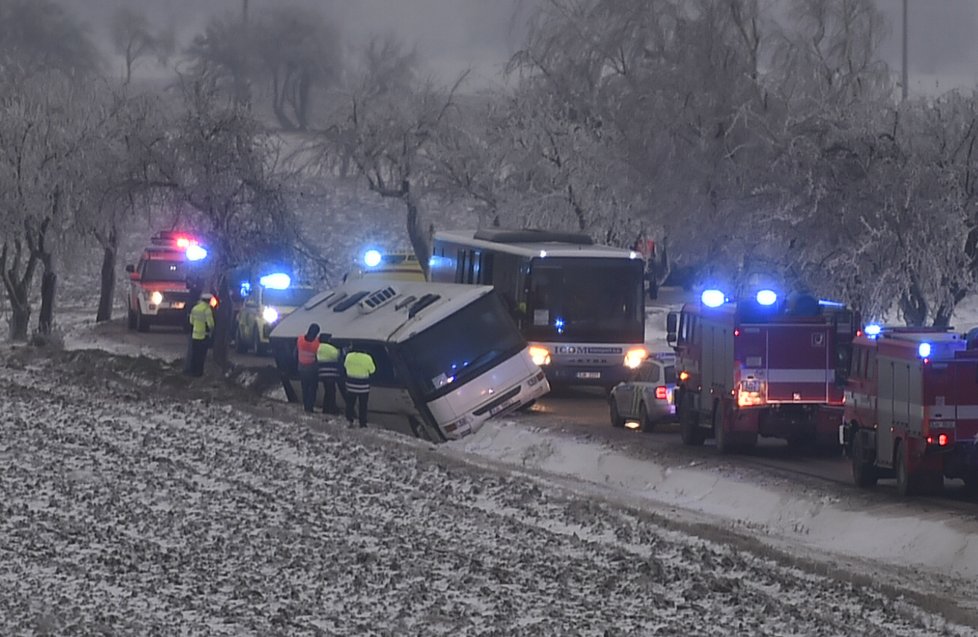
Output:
x,y
938,545
131,508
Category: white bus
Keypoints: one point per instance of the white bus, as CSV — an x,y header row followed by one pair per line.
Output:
x,y
580,306
448,356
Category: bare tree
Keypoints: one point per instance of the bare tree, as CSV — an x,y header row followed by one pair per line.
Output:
x,y
134,40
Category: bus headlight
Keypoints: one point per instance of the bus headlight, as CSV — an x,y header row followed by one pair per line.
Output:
x,y
540,355
635,356
270,314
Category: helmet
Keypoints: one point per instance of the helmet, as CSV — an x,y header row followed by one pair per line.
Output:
x,y
206,296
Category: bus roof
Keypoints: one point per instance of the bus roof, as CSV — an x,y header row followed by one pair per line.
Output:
x,y
535,248
343,311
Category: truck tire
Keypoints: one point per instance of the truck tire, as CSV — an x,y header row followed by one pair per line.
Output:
x,y
142,322
721,436
689,423
240,342
907,482
646,423
260,348
616,420
864,474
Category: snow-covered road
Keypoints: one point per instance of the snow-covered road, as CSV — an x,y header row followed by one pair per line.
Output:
x,y
130,504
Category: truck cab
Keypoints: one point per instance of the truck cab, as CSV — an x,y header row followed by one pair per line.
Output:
x,y
911,408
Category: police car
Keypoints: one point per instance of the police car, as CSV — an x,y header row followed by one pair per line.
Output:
x,y
648,399
169,272
273,297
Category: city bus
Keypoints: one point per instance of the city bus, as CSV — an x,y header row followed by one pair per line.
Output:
x,y
448,356
580,306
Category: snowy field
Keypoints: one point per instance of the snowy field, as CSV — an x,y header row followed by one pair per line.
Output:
x,y
133,505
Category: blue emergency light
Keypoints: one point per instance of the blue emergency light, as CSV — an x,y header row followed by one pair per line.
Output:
x,y
276,281
372,258
872,330
196,253
923,350
713,298
767,298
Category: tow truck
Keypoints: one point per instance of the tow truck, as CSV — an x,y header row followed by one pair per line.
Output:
x,y
168,274
761,366
911,408
267,300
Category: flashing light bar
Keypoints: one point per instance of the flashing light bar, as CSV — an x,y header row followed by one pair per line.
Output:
x,y
826,303
767,298
713,298
195,252
277,281
872,330
372,258
924,350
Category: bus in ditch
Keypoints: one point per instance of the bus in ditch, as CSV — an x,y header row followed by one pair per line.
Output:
x,y
448,356
580,306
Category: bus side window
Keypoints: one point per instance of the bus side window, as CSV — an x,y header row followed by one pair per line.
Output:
x,y
385,374
485,269
460,266
473,271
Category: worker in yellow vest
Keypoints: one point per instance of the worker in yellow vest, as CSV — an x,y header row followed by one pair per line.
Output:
x,y
328,358
201,327
359,367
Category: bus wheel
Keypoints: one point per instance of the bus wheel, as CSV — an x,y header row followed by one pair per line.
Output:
x,y
864,473
907,483
689,423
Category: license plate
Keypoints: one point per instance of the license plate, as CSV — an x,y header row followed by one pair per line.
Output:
x,y
589,374
179,305
498,408
751,385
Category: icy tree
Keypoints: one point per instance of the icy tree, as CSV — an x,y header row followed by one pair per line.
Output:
x,y
385,125
135,40
222,169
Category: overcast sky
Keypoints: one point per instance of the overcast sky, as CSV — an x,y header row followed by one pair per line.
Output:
x,y
481,34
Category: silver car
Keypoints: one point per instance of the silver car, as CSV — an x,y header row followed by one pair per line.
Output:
x,y
647,400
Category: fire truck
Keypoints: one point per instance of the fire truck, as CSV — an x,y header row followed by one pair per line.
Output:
x,y
912,408
168,274
762,366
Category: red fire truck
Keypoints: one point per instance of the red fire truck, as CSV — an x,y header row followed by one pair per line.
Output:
x,y
762,366
912,408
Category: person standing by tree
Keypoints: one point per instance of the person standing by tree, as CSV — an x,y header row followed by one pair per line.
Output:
x,y
328,357
201,327
359,367
306,346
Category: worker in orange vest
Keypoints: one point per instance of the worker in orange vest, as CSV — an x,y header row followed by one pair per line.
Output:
x,y
306,346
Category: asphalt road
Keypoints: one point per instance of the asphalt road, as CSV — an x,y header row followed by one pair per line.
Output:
x,y
584,411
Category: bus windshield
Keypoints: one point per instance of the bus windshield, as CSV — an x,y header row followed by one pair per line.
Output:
x,y
462,346
586,300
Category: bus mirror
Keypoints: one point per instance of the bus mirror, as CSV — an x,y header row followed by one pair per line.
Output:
x,y
672,322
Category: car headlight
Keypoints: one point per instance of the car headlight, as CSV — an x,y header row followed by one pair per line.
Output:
x,y
539,355
156,297
270,314
635,356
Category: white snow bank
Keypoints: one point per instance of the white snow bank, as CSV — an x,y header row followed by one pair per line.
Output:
x,y
938,542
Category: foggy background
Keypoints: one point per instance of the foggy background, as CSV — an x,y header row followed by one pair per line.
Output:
x,y
454,35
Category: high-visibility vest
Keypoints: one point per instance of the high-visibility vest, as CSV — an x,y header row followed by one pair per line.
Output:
x,y
202,320
359,365
307,351
327,353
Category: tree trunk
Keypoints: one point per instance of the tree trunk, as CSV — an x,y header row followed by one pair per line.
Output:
x,y
20,318
418,233
107,286
45,319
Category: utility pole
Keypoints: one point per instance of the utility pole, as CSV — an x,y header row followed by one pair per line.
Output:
x,y
906,74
